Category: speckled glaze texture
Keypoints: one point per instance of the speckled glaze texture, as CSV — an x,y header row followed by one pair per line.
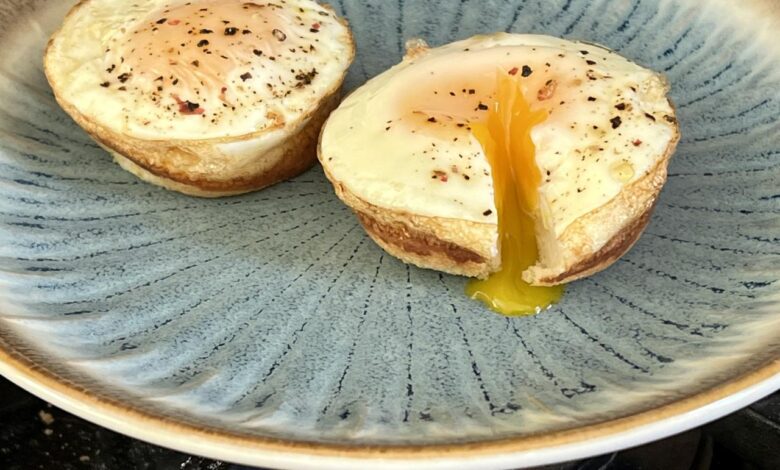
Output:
x,y
274,315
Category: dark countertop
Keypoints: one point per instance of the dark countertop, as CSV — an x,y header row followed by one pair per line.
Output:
x,y
36,435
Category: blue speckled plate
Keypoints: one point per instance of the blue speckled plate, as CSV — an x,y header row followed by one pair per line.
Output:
x,y
268,329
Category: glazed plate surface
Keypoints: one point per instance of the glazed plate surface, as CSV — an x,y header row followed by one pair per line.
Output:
x,y
268,329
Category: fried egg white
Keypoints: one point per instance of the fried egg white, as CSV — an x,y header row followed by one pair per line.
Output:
x,y
182,71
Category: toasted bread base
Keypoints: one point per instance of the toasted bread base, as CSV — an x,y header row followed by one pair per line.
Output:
x,y
453,246
187,166
293,156
422,249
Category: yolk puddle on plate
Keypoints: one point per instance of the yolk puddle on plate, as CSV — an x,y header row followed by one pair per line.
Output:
x,y
506,140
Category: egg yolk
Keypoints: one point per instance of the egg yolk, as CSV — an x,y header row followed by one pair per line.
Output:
x,y
199,53
506,139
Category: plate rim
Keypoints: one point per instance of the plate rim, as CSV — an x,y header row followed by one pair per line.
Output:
x,y
518,452
635,429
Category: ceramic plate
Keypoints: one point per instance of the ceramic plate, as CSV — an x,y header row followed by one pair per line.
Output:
x,y
267,329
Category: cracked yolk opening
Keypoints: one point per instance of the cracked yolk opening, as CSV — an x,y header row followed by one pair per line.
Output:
x,y
506,139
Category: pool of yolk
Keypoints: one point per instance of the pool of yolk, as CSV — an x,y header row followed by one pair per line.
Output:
x,y
506,140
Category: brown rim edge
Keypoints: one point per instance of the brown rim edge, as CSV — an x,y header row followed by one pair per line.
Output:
x,y
25,369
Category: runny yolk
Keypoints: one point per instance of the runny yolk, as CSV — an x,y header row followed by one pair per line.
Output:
x,y
506,140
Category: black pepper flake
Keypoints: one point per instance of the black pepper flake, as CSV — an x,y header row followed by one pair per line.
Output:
x,y
246,31
668,118
246,76
257,52
616,122
487,212
206,31
482,107
620,106
590,62
124,77
111,69
191,106
650,116
472,91
105,84
306,78
162,20
432,119
590,98
583,52
196,63
526,71
279,35
203,43
231,31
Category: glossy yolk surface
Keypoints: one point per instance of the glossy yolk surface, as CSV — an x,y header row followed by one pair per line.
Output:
x,y
506,139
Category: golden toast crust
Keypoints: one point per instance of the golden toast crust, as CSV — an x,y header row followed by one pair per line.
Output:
x,y
165,165
422,249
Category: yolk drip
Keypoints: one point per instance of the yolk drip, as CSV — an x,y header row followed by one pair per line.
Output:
x,y
506,140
